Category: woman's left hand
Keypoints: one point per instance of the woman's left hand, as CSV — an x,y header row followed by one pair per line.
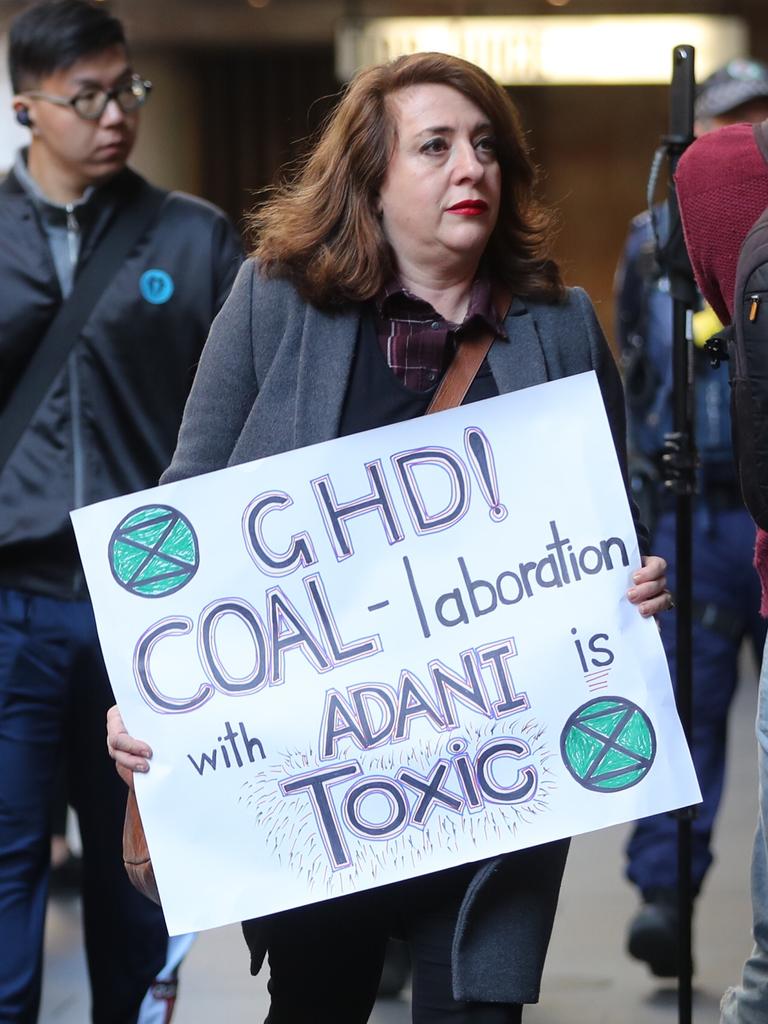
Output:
x,y
650,592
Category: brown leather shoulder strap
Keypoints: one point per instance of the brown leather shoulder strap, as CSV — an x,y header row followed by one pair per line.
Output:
x,y
468,359
458,378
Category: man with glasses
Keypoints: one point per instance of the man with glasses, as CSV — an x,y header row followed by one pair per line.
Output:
x,y
104,422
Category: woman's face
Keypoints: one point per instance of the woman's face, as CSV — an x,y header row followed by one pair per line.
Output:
x,y
440,197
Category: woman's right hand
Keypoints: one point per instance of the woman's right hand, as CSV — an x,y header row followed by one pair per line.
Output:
x,y
130,755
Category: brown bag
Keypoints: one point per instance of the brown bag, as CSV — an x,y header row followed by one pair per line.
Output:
x,y
136,858
453,387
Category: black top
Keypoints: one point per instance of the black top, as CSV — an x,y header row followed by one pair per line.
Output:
x,y
376,397
109,421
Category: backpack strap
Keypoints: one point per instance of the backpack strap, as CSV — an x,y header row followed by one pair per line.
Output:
x,y
760,132
132,220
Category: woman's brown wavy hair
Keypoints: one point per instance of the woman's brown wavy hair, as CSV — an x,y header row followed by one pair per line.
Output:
x,y
321,230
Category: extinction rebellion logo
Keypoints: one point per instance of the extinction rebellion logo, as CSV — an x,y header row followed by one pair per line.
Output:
x,y
608,744
154,551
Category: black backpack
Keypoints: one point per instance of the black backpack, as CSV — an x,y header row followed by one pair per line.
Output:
x,y
745,344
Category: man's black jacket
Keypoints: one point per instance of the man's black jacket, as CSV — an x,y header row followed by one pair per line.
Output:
x,y
109,422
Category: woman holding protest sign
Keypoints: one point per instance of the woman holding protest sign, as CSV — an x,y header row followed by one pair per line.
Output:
x,y
410,229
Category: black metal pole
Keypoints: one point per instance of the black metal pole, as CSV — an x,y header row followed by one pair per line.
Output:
x,y
680,461
684,682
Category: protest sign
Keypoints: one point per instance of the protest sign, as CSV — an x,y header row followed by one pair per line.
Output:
x,y
384,655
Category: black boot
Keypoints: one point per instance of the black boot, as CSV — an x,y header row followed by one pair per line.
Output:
x,y
654,933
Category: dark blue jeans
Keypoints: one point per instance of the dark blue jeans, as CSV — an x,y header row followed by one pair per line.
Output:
x,y
723,578
54,694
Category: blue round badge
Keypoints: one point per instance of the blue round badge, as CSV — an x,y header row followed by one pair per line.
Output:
x,y
156,286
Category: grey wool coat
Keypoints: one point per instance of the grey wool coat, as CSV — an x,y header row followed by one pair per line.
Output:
x,y
272,378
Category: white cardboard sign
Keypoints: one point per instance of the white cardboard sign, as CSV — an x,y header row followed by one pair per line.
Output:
x,y
384,655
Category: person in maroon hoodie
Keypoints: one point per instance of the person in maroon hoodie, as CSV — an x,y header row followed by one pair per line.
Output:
x,y
725,590
722,187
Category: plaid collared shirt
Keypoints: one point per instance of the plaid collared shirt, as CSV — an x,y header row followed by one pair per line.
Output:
x,y
417,341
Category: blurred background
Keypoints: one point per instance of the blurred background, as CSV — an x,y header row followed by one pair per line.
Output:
x,y
240,84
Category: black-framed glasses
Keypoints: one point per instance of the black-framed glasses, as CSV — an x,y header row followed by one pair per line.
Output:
x,y
91,102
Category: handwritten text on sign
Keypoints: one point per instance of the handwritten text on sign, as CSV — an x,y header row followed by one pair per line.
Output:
x,y
384,655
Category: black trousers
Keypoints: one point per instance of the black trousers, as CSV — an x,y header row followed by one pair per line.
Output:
x,y
325,959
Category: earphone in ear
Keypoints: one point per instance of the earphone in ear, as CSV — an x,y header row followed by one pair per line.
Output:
x,y
22,116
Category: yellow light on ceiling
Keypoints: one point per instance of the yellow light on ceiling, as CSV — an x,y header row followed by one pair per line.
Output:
x,y
554,50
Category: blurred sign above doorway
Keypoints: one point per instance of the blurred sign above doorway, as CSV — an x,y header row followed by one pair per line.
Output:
x,y
555,50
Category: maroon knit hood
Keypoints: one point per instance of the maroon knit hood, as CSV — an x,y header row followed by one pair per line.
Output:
x,y
722,188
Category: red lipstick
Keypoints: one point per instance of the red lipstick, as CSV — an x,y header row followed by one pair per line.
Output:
x,y
469,207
